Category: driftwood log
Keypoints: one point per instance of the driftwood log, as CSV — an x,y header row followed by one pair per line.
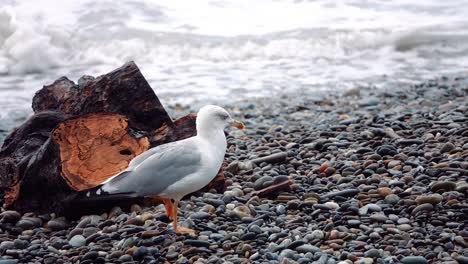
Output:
x,y
80,135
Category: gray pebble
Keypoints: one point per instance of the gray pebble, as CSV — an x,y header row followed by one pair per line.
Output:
x,y
392,199
414,260
200,215
372,253
307,248
8,261
77,241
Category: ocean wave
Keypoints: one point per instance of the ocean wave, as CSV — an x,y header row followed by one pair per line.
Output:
x,y
180,49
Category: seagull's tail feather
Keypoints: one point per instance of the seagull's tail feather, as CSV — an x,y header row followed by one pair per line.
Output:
x,y
99,193
92,195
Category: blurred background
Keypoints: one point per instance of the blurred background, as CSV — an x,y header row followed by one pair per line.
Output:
x,y
217,51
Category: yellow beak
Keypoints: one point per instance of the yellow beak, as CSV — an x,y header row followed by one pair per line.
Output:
x,y
237,124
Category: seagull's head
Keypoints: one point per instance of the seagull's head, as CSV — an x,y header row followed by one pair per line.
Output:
x,y
213,117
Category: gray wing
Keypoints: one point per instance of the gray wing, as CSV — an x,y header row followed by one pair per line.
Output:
x,y
143,156
155,171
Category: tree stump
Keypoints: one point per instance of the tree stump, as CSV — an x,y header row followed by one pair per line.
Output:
x,y
82,134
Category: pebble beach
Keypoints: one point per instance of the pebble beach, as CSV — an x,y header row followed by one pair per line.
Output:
x,y
378,176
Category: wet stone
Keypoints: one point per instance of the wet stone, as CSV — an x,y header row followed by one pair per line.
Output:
x,y
354,223
6,245
414,260
263,182
444,186
296,244
378,217
423,207
10,216
28,223
200,215
241,211
366,260
197,243
447,147
432,199
392,199
307,248
92,255
344,193
126,258
88,231
140,253
462,259
386,150
57,224
20,244
77,241
8,261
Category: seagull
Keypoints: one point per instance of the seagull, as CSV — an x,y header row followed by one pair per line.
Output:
x,y
169,172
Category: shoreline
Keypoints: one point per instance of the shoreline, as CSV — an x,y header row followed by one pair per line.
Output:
x,y
380,176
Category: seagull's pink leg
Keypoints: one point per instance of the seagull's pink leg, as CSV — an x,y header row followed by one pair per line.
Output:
x,y
167,203
169,207
180,229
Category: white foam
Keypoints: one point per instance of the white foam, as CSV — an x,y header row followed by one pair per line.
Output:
x,y
220,47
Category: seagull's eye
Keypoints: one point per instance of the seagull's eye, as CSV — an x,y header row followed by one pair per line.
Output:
x,y
223,116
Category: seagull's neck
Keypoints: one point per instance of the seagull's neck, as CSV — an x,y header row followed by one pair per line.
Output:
x,y
214,136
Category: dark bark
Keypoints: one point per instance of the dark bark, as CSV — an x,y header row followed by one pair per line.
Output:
x,y
21,152
123,91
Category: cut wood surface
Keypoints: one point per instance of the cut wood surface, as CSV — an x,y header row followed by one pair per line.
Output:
x,y
95,147
82,134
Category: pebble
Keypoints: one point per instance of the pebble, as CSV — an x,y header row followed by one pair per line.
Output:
x,y
92,255
307,248
372,253
332,205
197,243
77,241
274,158
462,259
57,224
6,245
200,215
88,231
447,147
296,244
354,222
241,211
422,207
444,186
8,261
379,217
431,199
10,216
20,243
317,235
140,253
414,260
384,191
28,223
365,261
125,258
344,193
263,182
392,199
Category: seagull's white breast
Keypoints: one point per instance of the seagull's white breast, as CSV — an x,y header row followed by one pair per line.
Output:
x,y
212,158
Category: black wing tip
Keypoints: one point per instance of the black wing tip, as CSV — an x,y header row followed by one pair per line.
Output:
x,y
98,194
91,193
